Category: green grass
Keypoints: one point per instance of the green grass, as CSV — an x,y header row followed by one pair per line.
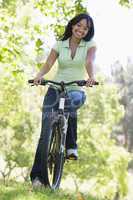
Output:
x,y
19,191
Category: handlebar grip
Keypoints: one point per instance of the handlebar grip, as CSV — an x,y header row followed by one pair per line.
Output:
x,y
43,82
83,83
96,83
30,81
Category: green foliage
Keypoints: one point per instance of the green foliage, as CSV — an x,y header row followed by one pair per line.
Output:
x,y
23,191
10,4
101,162
17,124
126,3
61,12
17,121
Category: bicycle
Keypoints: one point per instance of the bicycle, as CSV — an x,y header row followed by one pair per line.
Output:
x,y
53,153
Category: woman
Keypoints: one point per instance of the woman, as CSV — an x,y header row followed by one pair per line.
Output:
x,y
75,53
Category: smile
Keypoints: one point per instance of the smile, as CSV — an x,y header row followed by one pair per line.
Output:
x,y
78,33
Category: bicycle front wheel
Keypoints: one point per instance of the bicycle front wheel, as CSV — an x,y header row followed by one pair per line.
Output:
x,y
52,157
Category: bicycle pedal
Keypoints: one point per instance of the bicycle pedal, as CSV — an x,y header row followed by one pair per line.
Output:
x,y
72,157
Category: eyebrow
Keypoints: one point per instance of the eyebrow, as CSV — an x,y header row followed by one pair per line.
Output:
x,y
88,25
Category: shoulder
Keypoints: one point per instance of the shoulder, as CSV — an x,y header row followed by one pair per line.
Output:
x,y
90,44
57,45
61,44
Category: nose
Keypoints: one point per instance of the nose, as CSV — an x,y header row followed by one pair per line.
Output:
x,y
80,30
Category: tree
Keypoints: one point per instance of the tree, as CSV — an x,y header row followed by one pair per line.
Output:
x,y
61,12
123,77
126,3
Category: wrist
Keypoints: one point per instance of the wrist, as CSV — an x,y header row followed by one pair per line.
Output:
x,y
39,74
91,77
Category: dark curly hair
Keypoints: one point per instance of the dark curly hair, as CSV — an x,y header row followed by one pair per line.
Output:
x,y
75,20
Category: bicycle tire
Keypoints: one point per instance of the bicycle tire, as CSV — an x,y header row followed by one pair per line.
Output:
x,y
52,158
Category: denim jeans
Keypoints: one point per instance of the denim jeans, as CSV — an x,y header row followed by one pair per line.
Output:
x,y
75,100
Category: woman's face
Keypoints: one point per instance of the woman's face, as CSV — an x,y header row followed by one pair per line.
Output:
x,y
80,29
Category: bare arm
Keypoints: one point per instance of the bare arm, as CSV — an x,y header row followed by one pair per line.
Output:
x,y
90,64
89,61
47,66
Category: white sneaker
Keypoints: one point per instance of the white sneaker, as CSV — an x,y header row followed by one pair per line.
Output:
x,y
36,183
72,154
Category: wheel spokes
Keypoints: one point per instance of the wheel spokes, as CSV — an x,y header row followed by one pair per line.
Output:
x,y
53,152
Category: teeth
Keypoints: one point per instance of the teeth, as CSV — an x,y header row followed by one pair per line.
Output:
x,y
79,33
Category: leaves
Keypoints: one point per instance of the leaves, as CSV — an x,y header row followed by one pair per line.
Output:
x,y
126,3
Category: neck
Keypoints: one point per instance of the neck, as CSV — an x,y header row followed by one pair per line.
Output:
x,y
74,40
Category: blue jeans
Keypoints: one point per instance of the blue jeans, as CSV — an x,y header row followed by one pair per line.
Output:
x,y
75,100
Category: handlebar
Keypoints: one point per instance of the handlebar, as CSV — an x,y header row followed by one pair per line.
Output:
x,y
62,83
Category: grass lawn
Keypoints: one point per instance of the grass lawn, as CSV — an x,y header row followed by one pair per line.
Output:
x,y
19,191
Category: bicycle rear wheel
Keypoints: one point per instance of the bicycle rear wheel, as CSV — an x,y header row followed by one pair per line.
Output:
x,y
52,157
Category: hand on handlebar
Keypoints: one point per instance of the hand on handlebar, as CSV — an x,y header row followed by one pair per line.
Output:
x,y
90,82
37,80
40,81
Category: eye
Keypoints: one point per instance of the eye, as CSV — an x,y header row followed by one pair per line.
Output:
x,y
86,29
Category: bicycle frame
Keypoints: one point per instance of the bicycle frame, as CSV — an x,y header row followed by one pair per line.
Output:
x,y
63,120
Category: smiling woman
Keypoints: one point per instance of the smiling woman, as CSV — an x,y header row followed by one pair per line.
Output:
x,y
76,50
75,53
80,29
